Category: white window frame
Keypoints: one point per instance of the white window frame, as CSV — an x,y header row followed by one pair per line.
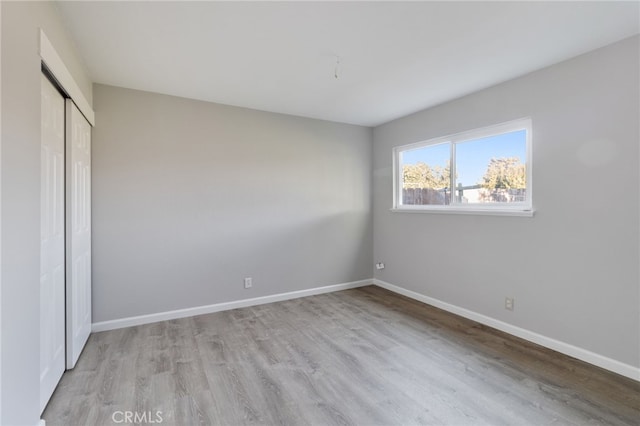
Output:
x,y
524,208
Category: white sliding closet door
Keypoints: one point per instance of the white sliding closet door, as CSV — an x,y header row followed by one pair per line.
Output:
x,y
78,232
52,241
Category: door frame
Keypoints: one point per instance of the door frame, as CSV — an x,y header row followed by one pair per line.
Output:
x,y
59,71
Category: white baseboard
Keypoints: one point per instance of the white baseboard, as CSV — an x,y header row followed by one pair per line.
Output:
x,y
200,310
562,347
548,342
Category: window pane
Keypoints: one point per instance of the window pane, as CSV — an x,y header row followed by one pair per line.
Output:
x,y
492,169
425,175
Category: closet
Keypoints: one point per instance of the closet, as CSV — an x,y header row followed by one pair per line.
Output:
x,y
65,234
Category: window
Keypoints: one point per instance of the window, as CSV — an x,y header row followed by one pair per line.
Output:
x,y
485,170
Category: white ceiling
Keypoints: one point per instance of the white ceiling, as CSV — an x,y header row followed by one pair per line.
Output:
x,y
396,57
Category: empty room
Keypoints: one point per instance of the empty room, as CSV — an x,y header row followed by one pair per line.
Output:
x,y
319,213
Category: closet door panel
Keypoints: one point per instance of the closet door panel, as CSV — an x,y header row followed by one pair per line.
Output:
x,y
78,232
52,241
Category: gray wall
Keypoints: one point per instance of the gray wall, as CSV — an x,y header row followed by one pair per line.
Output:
x,y
573,268
21,198
191,197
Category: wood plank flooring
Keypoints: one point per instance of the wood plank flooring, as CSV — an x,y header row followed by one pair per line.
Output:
x,y
357,357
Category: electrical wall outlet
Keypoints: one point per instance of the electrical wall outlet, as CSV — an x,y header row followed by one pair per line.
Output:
x,y
248,282
379,265
508,303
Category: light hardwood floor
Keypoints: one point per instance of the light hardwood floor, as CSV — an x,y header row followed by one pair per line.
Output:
x,y
364,357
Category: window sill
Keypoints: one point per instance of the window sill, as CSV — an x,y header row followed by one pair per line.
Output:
x,y
467,211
